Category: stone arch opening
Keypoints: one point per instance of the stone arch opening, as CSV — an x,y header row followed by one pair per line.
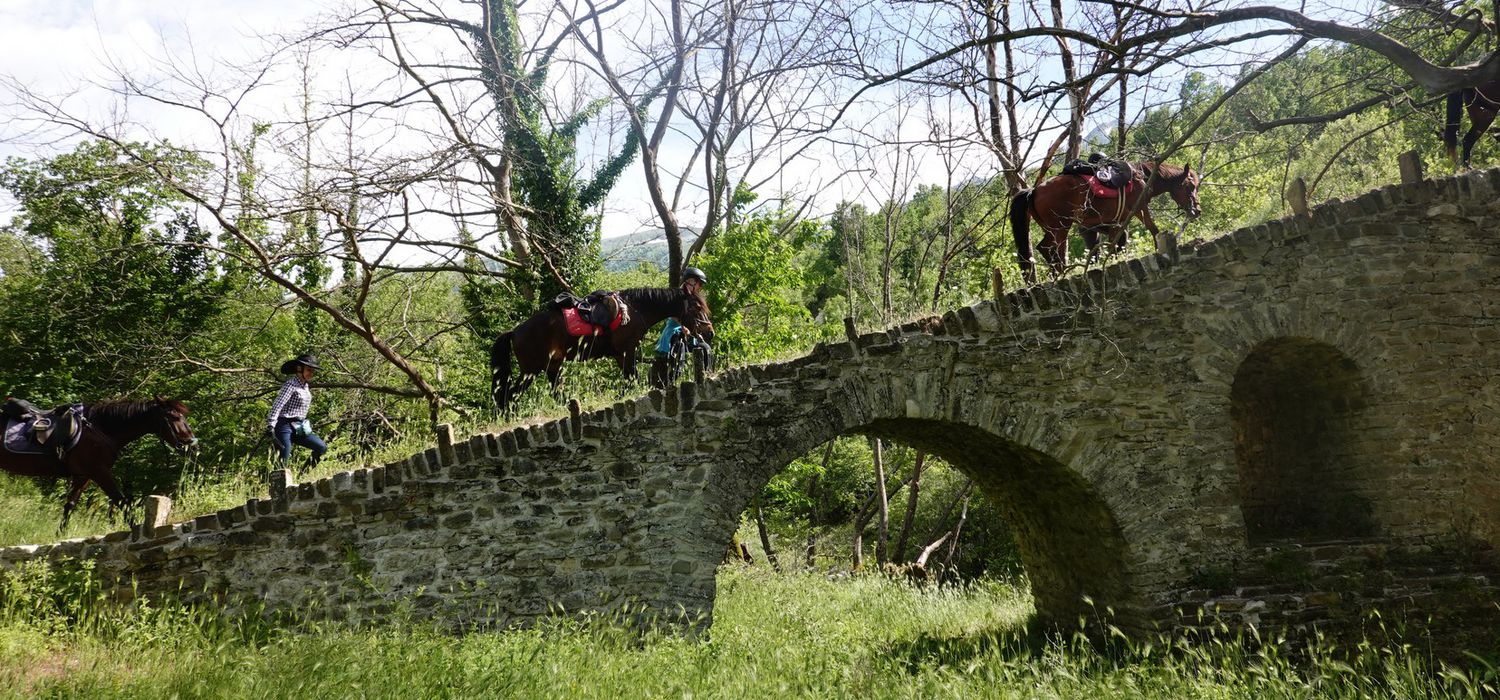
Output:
x,y
1070,545
1294,405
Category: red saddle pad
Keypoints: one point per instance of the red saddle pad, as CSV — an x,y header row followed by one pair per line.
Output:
x,y
1103,191
579,327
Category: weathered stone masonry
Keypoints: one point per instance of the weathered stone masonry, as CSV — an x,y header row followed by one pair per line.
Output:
x,y
1287,425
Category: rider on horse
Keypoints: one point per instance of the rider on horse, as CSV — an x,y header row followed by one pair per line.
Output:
x,y
693,280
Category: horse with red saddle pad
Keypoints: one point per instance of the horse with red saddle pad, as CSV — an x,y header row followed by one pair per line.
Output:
x,y
1080,197
604,324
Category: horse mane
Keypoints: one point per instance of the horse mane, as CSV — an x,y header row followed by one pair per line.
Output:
x,y
121,411
652,297
1165,171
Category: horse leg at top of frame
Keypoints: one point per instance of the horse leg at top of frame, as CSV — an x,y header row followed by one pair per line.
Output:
x,y
1117,239
1470,138
626,361
1165,243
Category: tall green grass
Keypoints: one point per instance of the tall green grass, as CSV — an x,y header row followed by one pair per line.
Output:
x,y
793,635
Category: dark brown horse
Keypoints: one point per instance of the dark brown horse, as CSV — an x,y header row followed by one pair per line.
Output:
x,y
542,343
108,426
1065,200
1482,103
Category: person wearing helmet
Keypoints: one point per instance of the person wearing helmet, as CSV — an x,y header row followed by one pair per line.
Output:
x,y
693,280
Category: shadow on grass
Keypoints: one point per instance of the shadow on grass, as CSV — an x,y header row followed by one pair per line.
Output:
x,y
1029,640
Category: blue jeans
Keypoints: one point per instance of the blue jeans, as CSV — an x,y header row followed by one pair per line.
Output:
x,y
284,437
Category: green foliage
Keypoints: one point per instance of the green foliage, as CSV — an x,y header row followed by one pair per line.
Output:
x,y
114,283
757,273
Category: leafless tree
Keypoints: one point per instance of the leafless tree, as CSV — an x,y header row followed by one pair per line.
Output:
x,y
280,202
745,81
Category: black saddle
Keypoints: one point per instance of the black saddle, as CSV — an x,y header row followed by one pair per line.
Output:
x,y
592,307
1119,172
19,408
57,429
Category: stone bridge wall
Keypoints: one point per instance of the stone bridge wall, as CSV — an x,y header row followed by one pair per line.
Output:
x,y
1159,434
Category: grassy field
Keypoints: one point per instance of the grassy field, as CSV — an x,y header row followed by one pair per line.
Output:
x,y
789,635
774,635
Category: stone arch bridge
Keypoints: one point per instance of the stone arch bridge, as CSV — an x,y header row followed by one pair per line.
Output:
x,y
1288,424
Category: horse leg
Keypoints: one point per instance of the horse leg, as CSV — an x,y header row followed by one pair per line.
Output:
x,y
513,390
1470,139
1054,246
74,491
1479,120
554,376
116,496
1091,242
626,361
1165,243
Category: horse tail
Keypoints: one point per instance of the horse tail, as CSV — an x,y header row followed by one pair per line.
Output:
x,y
1453,121
500,354
1020,224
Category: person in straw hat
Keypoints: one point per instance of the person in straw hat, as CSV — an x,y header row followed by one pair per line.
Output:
x,y
288,418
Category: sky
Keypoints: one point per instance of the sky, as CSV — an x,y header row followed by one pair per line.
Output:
x,y
62,48
59,47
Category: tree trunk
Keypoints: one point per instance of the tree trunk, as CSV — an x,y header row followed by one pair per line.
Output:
x,y
815,498
950,535
1075,92
883,503
958,528
862,521
765,536
911,508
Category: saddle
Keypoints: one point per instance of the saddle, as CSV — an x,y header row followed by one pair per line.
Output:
x,y
592,314
1107,179
30,430
1100,189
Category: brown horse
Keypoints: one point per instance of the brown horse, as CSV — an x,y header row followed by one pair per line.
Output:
x,y
1482,103
1065,200
542,343
107,427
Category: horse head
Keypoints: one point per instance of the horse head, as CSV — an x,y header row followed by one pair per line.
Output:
x,y
173,428
1184,189
694,316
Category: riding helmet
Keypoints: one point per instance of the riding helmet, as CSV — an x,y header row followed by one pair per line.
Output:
x,y
693,273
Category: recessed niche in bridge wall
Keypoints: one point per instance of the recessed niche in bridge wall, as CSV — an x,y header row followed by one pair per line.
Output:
x,y
1296,404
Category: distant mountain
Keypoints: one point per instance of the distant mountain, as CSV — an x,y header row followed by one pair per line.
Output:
x,y
648,247
1100,139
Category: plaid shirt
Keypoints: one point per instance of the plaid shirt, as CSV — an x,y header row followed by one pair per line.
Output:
x,y
291,402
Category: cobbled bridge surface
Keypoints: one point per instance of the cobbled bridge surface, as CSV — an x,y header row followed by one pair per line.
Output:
x,y
1290,425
